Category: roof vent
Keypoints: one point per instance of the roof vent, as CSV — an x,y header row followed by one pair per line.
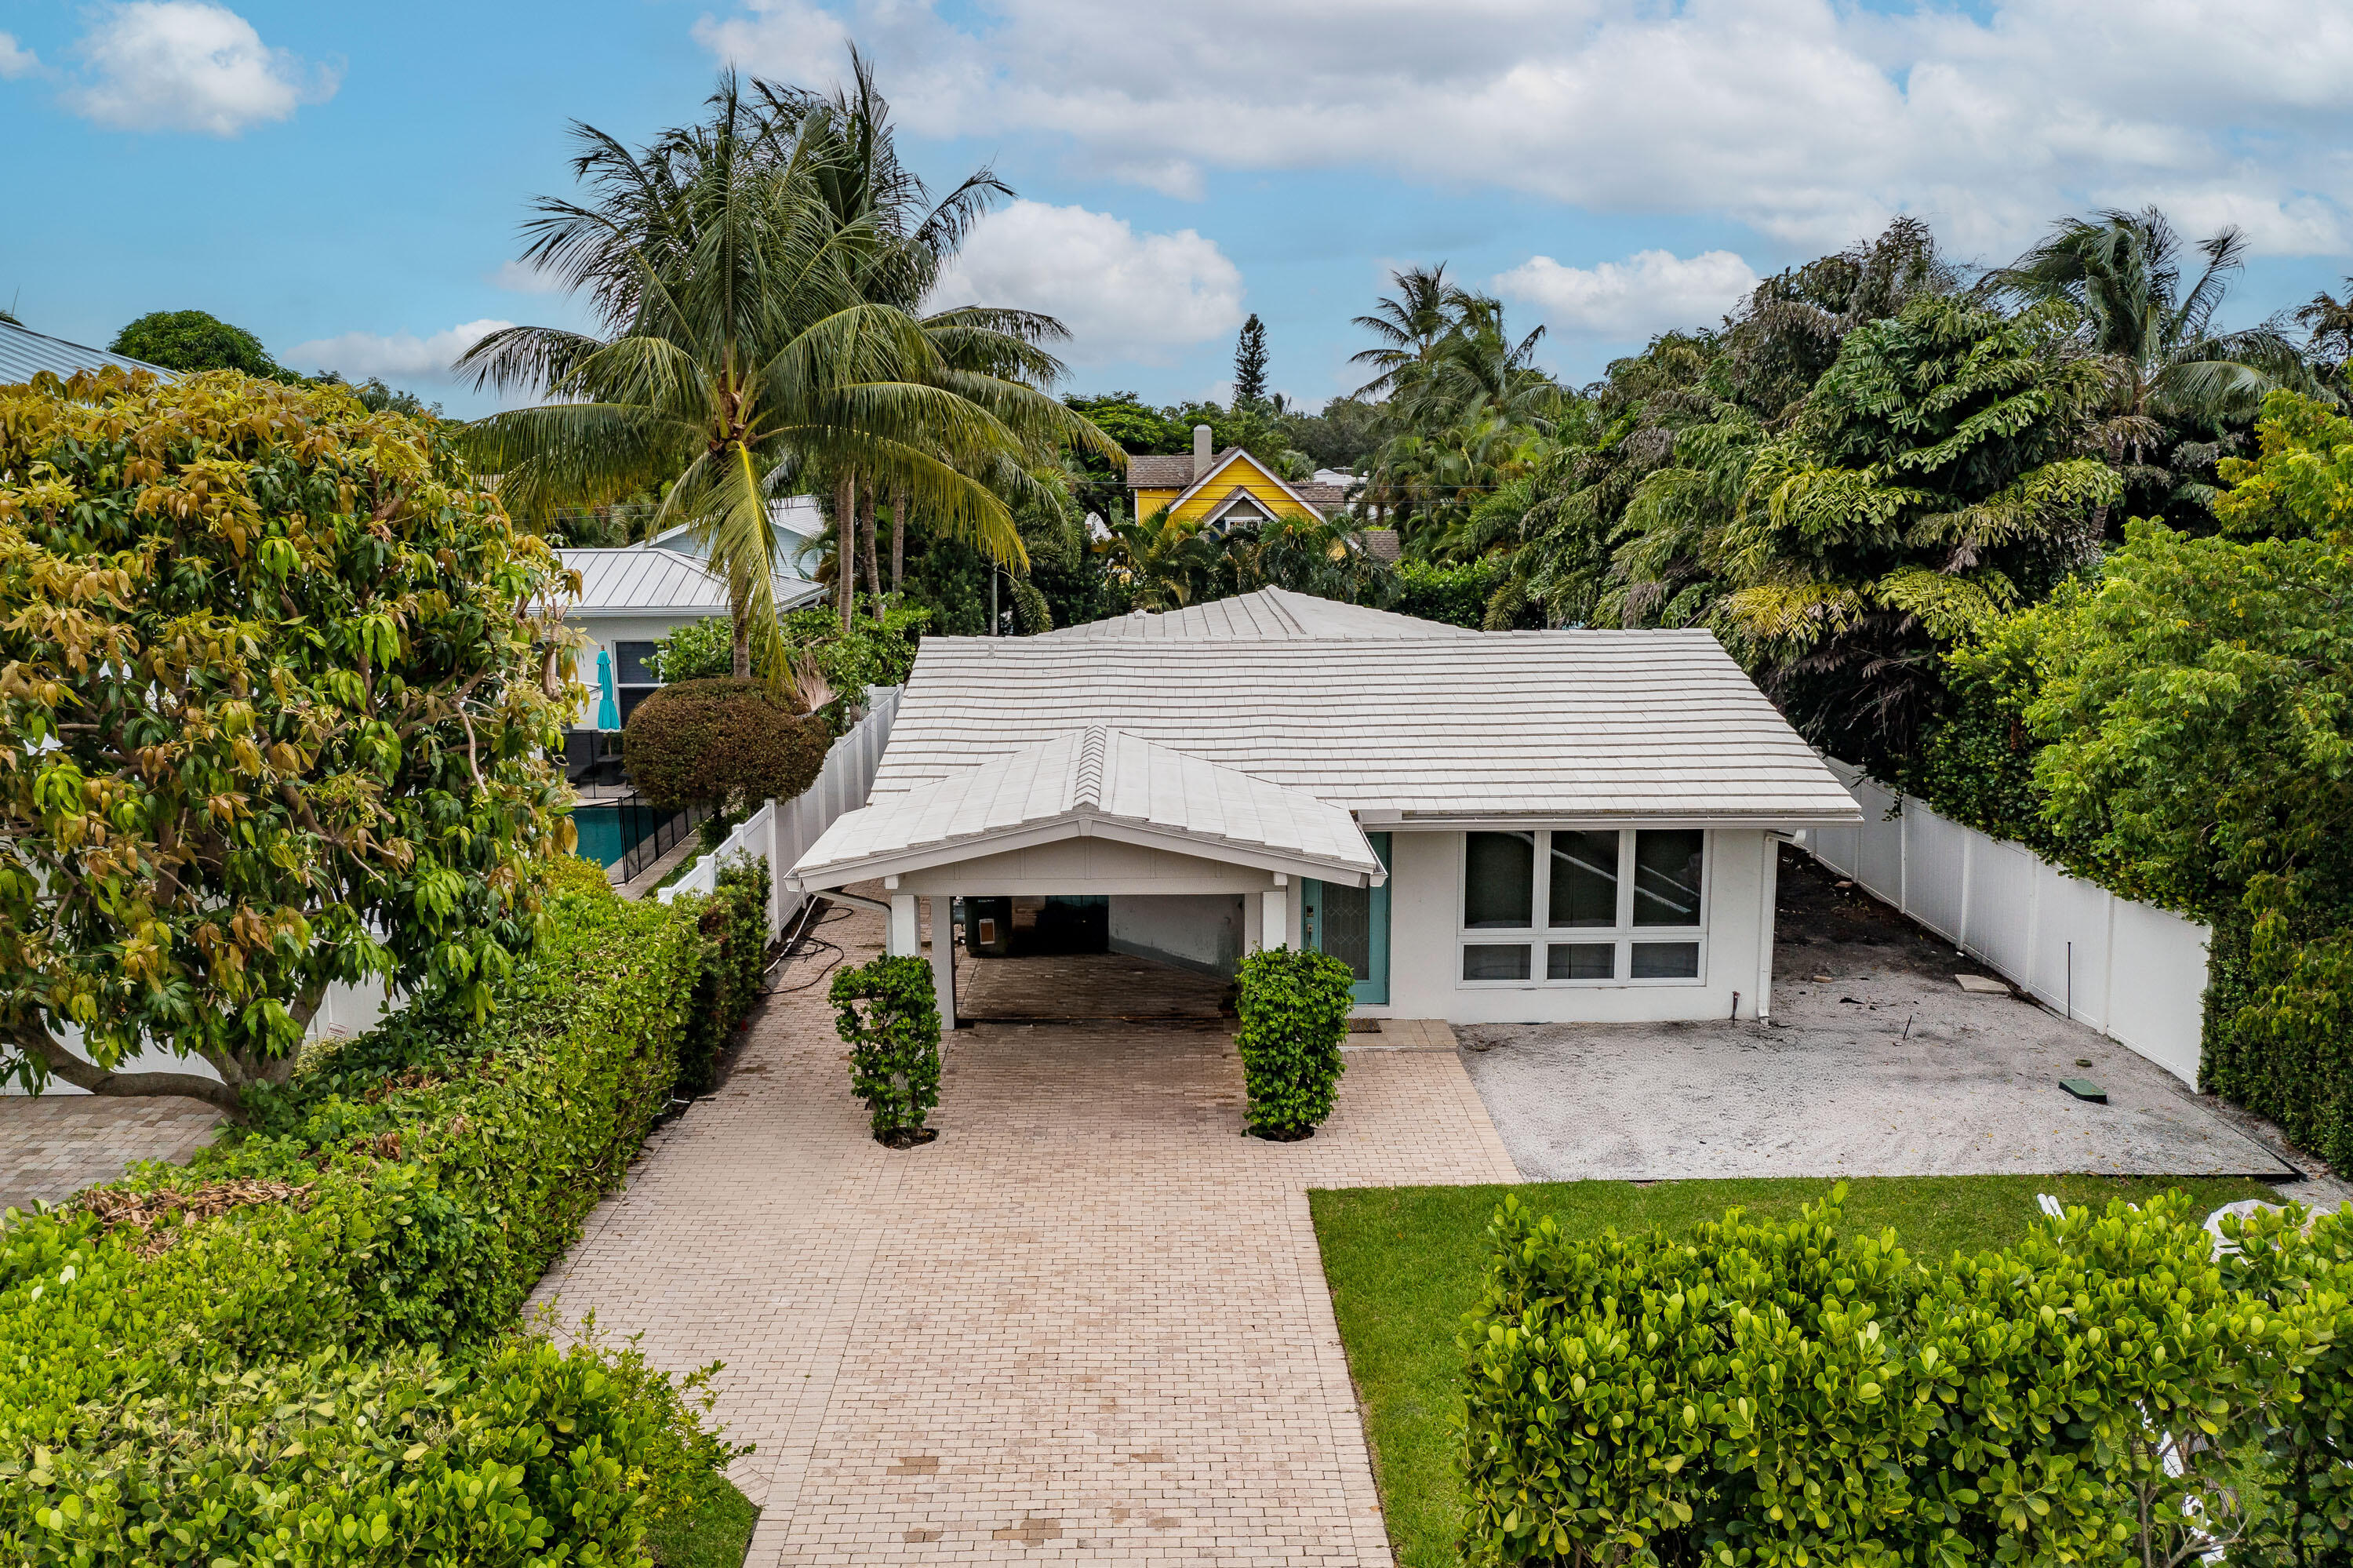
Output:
x,y
1200,453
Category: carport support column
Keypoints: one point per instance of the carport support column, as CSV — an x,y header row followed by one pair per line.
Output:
x,y
944,960
1276,929
904,942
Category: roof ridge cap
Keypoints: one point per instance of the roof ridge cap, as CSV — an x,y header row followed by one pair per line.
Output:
x,y
1087,792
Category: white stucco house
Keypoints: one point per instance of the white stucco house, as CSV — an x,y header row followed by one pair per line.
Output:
x,y
1487,827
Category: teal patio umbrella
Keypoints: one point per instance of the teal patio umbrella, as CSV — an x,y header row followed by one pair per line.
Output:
x,y
608,712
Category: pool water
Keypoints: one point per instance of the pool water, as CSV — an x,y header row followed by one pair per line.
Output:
x,y
601,836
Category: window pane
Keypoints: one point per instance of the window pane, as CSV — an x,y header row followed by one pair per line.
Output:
x,y
1486,961
1666,961
1581,960
1499,882
1666,876
634,664
1584,879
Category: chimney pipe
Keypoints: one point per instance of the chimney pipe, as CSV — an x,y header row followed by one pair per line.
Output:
x,y
1200,451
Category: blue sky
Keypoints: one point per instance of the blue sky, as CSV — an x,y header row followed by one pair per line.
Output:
x,y
346,181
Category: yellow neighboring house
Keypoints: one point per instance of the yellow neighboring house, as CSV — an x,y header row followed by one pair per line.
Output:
x,y
1217,491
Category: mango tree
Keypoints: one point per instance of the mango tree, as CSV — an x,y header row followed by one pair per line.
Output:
x,y
277,682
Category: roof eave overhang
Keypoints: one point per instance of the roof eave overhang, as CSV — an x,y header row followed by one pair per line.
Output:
x,y
1779,819
1086,825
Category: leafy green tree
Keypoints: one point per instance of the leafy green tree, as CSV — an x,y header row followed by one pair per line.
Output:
x,y
377,397
1928,483
277,682
1249,364
2176,385
193,340
1344,435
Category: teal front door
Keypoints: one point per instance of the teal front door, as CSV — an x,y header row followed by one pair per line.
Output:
x,y
1352,924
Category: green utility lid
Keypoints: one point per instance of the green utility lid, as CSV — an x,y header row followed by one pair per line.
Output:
x,y
2084,1090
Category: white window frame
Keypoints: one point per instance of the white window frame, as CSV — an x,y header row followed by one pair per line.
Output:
x,y
1541,934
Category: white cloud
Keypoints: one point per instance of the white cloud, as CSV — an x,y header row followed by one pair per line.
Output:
x,y
1812,120
1123,295
15,60
1647,293
186,64
523,278
400,358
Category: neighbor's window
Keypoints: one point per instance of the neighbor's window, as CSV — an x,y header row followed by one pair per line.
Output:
x,y
1598,889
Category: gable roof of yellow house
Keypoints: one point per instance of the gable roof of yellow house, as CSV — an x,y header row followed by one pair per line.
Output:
x,y
1221,489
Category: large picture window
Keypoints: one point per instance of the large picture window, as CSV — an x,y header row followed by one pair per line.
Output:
x,y
1586,906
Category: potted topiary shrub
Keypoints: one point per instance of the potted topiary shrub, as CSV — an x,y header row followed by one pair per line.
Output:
x,y
886,1014
1294,1010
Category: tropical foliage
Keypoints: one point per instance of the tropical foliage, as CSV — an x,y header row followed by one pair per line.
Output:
x,y
1292,1008
887,1014
277,676
306,1335
1791,1393
756,278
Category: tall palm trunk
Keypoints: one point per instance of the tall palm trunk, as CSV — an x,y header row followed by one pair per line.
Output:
x,y
898,540
845,548
874,561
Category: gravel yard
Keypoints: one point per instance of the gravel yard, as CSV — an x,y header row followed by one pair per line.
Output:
x,y
1876,1063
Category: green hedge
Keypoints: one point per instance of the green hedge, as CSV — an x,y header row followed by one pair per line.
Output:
x,y
1758,1394
1294,1010
306,1335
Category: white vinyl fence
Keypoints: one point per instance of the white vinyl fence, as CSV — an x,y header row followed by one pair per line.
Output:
x,y
2135,972
780,834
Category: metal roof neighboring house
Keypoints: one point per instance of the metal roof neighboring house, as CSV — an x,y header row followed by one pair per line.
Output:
x,y
24,353
1268,614
641,579
1636,727
1095,783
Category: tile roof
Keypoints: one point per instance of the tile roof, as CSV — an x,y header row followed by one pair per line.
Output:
x,y
24,353
1383,545
1093,782
645,579
1270,613
1154,472
1631,725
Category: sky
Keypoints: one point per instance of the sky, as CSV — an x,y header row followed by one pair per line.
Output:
x,y
347,182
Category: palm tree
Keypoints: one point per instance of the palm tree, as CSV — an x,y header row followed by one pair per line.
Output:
x,y
2170,374
990,354
1426,310
744,359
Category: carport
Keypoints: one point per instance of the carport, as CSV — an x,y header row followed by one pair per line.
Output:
x,y
1181,852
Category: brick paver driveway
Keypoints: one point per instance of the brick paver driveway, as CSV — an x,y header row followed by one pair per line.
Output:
x,y
1088,1324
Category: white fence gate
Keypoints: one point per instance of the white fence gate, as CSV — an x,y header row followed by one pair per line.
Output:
x,y
781,834
2135,972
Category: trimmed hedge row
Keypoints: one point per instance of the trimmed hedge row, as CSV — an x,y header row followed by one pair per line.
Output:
x,y
1756,1394
301,1344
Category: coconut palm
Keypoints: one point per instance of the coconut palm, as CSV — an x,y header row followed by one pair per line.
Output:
x,y
745,357
1426,310
2172,376
992,354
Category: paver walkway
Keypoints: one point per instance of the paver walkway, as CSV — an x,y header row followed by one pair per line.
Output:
x,y
1089,1323
52,1146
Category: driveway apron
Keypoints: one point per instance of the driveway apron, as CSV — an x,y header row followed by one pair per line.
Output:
x,y
1088,1323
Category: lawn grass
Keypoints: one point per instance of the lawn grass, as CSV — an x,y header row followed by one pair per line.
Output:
x,y
716,1534
1405,1264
